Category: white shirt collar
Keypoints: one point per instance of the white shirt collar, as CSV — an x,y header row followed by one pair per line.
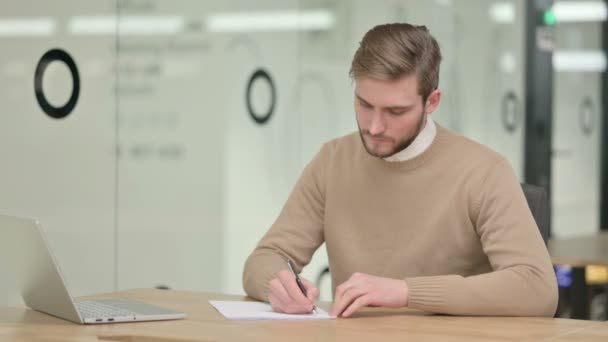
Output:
x,y
419,145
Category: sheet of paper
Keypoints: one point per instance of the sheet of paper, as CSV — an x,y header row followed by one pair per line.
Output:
x,y
242,310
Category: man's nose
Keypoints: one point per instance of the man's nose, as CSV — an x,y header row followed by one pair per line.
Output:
x,y
378,126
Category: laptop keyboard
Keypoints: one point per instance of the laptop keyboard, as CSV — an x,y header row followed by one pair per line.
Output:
x,y
93,309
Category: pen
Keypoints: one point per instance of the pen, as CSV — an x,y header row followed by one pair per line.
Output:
x,y
298,281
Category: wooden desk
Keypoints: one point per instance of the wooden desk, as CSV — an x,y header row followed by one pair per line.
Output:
x,y
579,252
596,332
206,324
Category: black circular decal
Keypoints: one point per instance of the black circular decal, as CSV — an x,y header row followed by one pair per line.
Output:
x,y
322,275
509,110
586,116
261,75
46,59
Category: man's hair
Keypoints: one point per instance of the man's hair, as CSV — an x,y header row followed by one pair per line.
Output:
x,y
391,51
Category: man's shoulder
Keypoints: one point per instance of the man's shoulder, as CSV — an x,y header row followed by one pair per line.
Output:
x,y
468,148
346,143
349,139
476,161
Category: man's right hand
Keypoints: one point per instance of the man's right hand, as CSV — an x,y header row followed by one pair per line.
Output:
x,y
285,296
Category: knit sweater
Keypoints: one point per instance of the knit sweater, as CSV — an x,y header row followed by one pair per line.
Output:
x,y
452,222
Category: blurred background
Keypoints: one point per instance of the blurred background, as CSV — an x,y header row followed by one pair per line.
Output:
x,y
156,141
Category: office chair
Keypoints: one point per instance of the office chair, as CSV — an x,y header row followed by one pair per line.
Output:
x,y
538,202
539,206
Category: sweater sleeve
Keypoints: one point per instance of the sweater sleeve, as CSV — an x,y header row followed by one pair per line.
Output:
x,y
296,234
522,281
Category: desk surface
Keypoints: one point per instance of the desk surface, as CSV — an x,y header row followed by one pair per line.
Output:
x,y
206,324
581,250
597,332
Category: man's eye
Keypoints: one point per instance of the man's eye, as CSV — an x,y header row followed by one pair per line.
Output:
x,y
396,112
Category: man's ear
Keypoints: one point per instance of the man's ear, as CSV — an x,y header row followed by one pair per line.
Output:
x,y
432,102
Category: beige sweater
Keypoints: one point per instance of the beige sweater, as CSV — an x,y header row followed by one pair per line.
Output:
x,y
453,222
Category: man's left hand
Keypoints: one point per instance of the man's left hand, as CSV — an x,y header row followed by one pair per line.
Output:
x,y
362,290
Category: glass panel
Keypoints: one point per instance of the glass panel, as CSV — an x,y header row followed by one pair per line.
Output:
x,y
195,118
199,178
60,171
260,159
578,62
487,91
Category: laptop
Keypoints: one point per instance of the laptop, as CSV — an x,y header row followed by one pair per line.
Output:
x,y
24,249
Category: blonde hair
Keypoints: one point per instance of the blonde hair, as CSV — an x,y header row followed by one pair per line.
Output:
x,y
391,51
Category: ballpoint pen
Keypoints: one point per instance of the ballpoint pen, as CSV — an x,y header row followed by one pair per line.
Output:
x,y
299,281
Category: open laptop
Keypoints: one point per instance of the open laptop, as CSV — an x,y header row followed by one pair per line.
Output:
x,y
24,249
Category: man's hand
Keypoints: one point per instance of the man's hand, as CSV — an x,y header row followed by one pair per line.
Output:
x,y
362,290
285,296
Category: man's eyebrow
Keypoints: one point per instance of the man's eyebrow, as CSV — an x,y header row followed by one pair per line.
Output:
x,y
361,99
404,107
401,107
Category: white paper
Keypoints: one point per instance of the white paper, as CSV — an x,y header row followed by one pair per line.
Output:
x,y
242,310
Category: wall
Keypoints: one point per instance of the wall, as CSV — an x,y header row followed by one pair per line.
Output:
x,y
160,176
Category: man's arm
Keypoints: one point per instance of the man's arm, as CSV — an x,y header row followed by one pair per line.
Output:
x,y
522,282
296,234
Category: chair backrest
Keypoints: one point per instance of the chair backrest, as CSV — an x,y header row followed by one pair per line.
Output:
x,y
539,206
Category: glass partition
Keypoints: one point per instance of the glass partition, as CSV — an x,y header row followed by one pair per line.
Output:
x,y
58,135
579,62
157,141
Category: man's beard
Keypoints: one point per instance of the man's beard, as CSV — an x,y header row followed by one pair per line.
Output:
x,y
400,146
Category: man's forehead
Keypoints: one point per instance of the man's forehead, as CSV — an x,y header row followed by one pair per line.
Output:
x,y
387,93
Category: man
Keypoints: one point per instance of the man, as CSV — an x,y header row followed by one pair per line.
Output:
x,y
412,214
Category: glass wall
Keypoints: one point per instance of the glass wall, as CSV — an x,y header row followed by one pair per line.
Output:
x,y
62,170
579,63
193,119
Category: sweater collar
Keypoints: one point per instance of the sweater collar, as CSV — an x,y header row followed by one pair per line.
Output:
x,y
420,144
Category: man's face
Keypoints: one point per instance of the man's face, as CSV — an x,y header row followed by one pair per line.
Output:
x,y
390,114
